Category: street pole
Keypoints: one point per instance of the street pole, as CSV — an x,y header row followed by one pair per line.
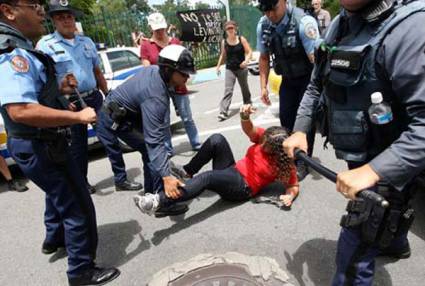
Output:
x,y
226,4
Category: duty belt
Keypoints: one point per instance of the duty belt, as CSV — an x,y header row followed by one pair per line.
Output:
x,y
45,134
88,93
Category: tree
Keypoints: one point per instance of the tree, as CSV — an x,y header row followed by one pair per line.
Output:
x,y
111,6
202,5
84,5
139,5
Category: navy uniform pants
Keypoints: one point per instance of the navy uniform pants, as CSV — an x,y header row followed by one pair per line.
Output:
x,y
79,135
291,93
70,216
132,137
355,260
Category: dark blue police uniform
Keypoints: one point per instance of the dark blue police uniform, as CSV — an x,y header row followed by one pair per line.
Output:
x,y
289,42
145,126
43,154
78,57
362,54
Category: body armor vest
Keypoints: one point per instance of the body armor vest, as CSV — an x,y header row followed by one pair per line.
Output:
x,y
289,57
349,76
49,95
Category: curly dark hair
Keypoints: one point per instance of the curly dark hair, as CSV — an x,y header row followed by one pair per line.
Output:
x,y
273,139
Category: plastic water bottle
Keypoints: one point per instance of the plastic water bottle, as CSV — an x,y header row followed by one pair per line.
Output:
x,y
380,112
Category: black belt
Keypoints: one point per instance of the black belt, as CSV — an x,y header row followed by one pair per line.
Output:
x,y
44,134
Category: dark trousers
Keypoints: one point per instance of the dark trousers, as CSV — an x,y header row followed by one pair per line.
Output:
x,y
224,179
70,216
355,260
133,138
291,93
79,135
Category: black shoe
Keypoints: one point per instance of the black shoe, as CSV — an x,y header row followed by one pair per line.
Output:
x,y
302,171
128,186
401,253
95,276
49,248
173,210
91,189
16,186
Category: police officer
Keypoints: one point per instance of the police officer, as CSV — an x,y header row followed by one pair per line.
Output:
x,y
35,119
138,112
77,54
288,35
372,46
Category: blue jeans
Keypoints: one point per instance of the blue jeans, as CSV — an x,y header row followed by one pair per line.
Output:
x,y
134,139
183,107
79,135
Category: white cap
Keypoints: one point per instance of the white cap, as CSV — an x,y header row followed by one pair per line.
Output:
x,y
157,21
376,97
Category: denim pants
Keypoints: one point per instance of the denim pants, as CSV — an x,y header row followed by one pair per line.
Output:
x,y
134,139
224,179
182,103
79,135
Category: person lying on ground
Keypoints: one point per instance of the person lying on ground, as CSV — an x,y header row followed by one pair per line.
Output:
x,y
264,163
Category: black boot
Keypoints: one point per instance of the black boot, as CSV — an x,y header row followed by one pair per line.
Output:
x,y
95,276
128,186
173,210
397,253
49,248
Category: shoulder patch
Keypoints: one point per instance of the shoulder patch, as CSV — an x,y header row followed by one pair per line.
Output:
x,y
20,64
310,31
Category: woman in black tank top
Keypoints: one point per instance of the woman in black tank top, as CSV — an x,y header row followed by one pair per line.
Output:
x,y
236,53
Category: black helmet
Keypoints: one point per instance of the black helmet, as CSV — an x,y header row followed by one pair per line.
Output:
x,y
178,58
56,6
267,5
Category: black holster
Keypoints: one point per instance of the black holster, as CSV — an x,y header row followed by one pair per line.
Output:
x,y
380,225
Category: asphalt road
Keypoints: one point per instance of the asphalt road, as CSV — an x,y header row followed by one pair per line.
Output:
x,y
302,240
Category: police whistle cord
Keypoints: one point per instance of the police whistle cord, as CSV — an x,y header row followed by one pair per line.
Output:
x,y
331,175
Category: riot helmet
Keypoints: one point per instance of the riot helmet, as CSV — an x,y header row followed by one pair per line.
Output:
x,y
177,58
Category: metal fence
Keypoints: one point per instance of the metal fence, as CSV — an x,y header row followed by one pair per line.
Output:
x,y
115,29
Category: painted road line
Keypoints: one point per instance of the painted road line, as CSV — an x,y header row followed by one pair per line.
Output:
x,y
232,106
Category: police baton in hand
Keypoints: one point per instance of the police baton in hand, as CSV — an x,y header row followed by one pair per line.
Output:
x,y
83,104
331,175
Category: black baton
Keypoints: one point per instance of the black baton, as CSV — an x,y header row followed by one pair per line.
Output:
x,y
331,175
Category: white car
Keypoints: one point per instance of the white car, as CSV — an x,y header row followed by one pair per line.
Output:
x,y
118,65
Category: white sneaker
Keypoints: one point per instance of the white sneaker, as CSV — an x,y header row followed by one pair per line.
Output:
x,y
147,204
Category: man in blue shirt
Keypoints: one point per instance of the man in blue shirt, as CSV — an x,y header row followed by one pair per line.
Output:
x,y
289,36
35,117
138,112
77,54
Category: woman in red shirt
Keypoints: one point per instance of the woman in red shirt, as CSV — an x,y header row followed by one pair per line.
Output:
x,y
265,162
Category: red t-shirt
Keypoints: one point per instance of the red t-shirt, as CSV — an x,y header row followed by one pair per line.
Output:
x,y
149,50
256,169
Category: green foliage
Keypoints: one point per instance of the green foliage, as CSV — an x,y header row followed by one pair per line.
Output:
x,y
83,5
331,5
139,5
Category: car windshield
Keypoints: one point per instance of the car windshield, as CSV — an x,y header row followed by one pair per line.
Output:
x,y
120,60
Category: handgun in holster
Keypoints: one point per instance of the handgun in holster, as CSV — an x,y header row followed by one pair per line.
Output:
x,y
117,114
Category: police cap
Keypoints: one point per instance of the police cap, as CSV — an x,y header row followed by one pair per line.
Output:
x,y
267,5
56,6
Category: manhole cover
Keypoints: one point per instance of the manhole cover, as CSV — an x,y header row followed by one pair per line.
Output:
x,y
229,269
217,275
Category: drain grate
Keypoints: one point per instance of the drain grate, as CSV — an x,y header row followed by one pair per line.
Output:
x,y
217,275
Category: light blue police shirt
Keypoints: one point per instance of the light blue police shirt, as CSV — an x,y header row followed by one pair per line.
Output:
x,y
22,77
79,58
308,32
